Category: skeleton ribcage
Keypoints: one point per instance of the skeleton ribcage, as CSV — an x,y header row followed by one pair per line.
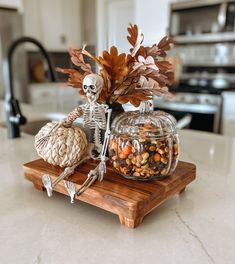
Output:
x,y
93,116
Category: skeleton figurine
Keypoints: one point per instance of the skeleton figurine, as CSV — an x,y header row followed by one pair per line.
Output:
x,y
94,118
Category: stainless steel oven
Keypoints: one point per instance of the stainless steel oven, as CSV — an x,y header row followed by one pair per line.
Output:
x,y
205,109
204,31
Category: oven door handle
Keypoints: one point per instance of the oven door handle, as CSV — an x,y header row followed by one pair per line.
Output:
x,y
184,122
221,19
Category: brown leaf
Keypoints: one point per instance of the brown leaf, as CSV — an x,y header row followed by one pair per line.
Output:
x,y
141,52
114,64
78,60
164,66
135,39
164,45
133,32
75,78
104,95
170,76
153,51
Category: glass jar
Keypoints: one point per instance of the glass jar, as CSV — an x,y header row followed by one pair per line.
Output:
x,y
144,144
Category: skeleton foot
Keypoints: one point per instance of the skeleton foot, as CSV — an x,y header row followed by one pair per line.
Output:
x,y
71,190
46,180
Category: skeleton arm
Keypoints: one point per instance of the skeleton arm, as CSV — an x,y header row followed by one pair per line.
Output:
x,y
72,116
107,133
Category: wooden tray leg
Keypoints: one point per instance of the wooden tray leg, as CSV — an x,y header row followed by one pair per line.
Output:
x,y
131,223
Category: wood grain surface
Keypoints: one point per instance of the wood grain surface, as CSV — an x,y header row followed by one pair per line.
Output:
x,y
129,199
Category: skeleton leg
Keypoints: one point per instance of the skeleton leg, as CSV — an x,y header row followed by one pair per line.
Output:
x,y
99,171
92,176
49,185
69,185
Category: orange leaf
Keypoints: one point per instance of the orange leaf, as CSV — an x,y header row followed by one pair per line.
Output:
x,y
75,78
114,64
105,91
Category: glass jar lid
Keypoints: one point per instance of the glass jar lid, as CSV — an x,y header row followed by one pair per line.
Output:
x,y
144,122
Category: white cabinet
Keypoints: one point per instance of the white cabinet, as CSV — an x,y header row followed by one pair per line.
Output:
x,y
56,23
54,97
16,4
32,25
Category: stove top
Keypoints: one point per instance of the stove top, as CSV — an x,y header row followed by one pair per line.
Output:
x,y
186,88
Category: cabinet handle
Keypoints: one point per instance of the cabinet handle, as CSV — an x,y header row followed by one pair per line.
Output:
x,y
44,94
63,39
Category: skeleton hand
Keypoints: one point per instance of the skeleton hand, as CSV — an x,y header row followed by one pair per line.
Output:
x,y
101,170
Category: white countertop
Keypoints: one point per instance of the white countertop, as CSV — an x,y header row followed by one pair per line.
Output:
x,y
33,113
196,227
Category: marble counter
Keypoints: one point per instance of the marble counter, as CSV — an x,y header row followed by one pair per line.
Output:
x,y
196,227
33,113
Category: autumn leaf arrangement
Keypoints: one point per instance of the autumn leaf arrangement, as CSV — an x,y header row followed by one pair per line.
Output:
x,y
133,77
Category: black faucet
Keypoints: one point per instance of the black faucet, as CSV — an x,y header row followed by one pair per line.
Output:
x,y
14,117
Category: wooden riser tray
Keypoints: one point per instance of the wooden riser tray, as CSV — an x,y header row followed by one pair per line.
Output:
x,y
130,200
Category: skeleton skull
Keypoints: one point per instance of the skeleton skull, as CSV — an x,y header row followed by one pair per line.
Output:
x,y
92,86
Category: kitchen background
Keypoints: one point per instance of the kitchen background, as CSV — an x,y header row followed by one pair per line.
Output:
x,y
203,56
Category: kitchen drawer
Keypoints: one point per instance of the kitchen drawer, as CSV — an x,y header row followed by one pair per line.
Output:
x,y
42,95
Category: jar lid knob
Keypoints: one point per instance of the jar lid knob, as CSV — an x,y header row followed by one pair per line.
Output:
x,y
146,106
